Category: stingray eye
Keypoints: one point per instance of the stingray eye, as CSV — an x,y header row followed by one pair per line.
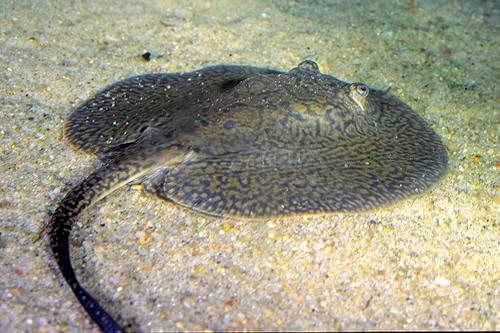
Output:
x,y
362,89
309,65
358,93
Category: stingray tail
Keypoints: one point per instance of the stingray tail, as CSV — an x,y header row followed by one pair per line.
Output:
x,y
96,186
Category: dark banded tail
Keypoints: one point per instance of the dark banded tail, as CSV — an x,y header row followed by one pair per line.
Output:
x,y
96,186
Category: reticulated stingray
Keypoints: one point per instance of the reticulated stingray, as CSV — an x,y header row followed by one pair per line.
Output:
x,y
246,142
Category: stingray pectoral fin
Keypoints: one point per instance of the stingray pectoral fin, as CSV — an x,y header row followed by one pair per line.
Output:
x,y
138,161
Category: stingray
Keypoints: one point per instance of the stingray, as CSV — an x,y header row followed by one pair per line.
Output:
x,y
247,143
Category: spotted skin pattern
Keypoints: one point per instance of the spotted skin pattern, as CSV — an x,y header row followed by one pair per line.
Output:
x,y
246,142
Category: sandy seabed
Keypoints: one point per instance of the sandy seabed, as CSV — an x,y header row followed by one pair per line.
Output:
x,y
430,262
